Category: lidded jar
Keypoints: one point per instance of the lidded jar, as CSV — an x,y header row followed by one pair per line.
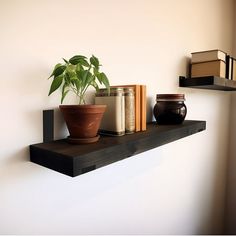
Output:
x,y
170,109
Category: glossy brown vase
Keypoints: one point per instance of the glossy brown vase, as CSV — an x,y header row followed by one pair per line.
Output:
x,y
83,122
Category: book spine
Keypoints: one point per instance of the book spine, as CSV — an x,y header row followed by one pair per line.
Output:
x,y
232,68
129,110
227,61
122,113
143,108
137,108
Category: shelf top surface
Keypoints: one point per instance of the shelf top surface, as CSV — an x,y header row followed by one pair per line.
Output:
x,y
106,142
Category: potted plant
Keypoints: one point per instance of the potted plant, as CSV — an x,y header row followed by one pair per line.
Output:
x,y
76,75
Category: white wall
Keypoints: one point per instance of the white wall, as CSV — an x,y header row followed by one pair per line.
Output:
x,y
178,188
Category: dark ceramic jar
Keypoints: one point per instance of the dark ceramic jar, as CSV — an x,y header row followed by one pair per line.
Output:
x,y
170,109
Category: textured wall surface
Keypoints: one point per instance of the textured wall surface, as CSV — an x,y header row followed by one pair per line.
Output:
x,y
178,188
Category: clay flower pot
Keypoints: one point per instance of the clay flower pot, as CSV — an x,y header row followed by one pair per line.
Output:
x,y
83,122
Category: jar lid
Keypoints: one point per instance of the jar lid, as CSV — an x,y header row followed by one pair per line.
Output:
x,y
170,97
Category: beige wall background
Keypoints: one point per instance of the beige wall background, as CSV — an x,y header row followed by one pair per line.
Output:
x,y
178,188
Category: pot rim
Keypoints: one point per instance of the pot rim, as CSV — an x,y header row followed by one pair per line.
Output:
x,y
84,106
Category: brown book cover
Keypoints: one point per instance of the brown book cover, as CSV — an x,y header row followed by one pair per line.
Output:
x,y
233,69
210,68
137,91
143,108
210,55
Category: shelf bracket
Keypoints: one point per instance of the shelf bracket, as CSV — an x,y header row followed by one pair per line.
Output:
x,y
48,125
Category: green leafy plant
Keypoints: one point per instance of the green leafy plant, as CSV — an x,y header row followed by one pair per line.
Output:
x,y
76,75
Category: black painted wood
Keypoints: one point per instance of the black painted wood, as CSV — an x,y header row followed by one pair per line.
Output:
x,y
208,82
74,160
48,125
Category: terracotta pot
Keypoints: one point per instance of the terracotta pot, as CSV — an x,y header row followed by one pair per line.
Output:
x,y
83,121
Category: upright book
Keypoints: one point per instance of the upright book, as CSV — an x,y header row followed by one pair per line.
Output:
x,y
229,67
233,68
113,121
143,108
210,55
137,90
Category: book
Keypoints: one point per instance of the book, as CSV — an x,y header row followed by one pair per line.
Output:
x,y
143,124
210,55
229,67
129,110
113,121
209,68
233,69
137,91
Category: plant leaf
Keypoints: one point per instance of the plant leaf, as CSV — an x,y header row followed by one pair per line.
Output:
x,y
95,71
64,92
55,67
89,78
94,61
59,69
80,74
105,81
84,62
56,83
76,59
65,61
99,77
73,79
86,77
78,84
67,78
95,85
64,95
78,68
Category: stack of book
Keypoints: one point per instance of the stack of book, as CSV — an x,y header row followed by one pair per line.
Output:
x,y
140,105
213,63
126,109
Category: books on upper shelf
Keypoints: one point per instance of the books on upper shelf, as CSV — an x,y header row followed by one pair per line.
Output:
x,y
230,68
209,68
210,55
213,63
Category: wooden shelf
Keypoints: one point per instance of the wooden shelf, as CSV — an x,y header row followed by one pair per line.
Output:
x,y
74,160
208,82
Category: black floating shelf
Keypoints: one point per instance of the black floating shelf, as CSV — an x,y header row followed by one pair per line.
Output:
x,y
208,82
75,160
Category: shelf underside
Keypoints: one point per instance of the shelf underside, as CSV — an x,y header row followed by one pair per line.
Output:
x,y
74,160
208,82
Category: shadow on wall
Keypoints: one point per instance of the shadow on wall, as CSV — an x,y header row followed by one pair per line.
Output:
x,y
14,163
230,213
184,68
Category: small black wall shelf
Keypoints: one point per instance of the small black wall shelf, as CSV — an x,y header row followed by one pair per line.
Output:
x,y
74,160
208,82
